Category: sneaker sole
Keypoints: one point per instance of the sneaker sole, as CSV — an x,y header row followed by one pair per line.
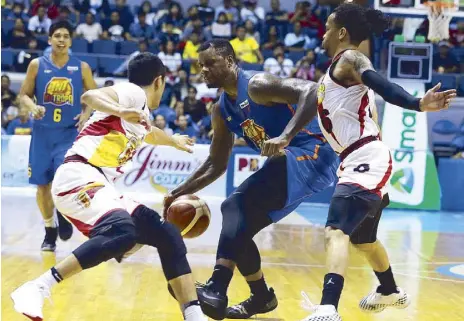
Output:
x,y
47,249
211,311
249,316
399,307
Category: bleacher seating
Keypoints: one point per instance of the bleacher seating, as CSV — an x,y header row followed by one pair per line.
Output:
x,y
448,81
108,65
80,45
107,47
127,47
90,59
7,59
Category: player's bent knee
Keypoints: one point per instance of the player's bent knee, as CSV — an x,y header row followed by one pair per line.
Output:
x,y
233,222
332,234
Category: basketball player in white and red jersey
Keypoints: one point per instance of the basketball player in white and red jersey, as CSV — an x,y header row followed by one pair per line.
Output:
x,y
84,192
345,109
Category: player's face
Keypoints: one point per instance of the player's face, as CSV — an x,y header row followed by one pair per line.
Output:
x,y
60,41
214,68
330,40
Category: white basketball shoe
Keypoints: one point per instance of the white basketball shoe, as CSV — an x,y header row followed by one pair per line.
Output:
x,y
29,299
376,302
319,312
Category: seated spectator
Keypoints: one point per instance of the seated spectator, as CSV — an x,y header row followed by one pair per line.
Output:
x,y
273,38
18,36
100,7
26,56
194,107
165,4
252,12
40,23
172,60
205,12
21,125
297,41
18,12
168,34
180,88
141,30
444,61
184,129
122,70
65,15
196,25
174,16
250,31
50,7
191,53
231,12
149,12
160,123
125,14
221,28
457,35
90,30
306,67
306,17
276,16
114,30
8,114
246,49
279,65
9,97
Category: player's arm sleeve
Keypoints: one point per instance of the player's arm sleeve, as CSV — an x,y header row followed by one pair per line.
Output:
x,y
390,92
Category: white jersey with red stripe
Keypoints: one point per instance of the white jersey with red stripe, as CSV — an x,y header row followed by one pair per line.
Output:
x,y
345,113
109,142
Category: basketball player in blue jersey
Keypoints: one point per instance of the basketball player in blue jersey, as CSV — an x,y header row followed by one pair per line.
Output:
x,y
264,110
57,82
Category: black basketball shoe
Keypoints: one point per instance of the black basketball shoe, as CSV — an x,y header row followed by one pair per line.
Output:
x,y
49,243
65,229
253,305
212,303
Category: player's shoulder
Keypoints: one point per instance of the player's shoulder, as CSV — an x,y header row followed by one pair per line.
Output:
x,y
35,62
353,57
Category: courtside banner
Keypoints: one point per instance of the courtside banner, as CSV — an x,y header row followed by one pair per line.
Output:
x,y
414,181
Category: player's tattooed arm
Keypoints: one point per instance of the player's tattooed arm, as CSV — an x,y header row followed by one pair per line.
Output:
x,y
26,93
267,89
361,71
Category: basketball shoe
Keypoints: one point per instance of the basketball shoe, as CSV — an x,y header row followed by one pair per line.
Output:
x,y
65,229
49,242
212,303
376,302
29,299
319,312
253,305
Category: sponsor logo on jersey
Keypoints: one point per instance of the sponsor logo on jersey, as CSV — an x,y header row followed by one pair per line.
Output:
x,y
47,71
403,180
72,68
254,132
320,94
59,91
244,104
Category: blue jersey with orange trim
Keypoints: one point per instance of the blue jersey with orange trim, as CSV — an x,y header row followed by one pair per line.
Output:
x,y
59,91
257,123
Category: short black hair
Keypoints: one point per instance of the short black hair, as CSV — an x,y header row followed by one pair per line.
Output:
x,y
145,68
59,25
221,46
360,22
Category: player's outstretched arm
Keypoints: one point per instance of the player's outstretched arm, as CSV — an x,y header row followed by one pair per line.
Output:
x,y
159,137
26,93
214,166
362,71
267,89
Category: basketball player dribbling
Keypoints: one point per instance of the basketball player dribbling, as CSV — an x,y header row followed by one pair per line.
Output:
x,y
84,192
345,106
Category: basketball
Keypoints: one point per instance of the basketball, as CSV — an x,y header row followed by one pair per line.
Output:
x,y
190,214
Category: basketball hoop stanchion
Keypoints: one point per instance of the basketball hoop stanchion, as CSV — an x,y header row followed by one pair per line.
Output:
x,y
439,15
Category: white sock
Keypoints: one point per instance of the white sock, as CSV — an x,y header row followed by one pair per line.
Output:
x,y
50,222
194,313
47,279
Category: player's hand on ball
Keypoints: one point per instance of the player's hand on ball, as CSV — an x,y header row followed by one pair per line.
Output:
x,y
136,117
38,112
436,101
168,199
274,146
182,142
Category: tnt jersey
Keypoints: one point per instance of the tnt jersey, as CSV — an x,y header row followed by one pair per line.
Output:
x,y
110,142
59,91
311,163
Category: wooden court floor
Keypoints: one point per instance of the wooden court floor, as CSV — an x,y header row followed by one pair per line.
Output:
x,y
293,256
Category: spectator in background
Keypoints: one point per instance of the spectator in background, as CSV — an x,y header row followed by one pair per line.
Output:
x,y
141,30
18,36
306,17
174,16
182,128
9,97
196,25
89,30
40,23
8,114
246,49
149,12
276,16
279,65
250,31
18,12
65,15
191,53
168,34
229,10
21,125
26,56
125,14
180,88
172,60
114,29
457,35
160,122
272,39
221,28
297,41
101,7
122,70
444,61
50,8
252,12
306,67
194,107
205,12
165,4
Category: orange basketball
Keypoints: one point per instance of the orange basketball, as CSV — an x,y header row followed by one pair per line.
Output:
x,y
190,214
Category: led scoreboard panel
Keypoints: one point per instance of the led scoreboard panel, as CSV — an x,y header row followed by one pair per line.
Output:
x,y
410,61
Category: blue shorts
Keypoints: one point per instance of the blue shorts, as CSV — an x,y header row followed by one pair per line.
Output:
x,y
310,169
47,150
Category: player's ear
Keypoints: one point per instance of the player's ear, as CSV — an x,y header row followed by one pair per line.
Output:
x,y
342,33
49,40
159,82
230,61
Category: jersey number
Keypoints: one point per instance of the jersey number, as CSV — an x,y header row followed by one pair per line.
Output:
x,y
325,120
57,115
